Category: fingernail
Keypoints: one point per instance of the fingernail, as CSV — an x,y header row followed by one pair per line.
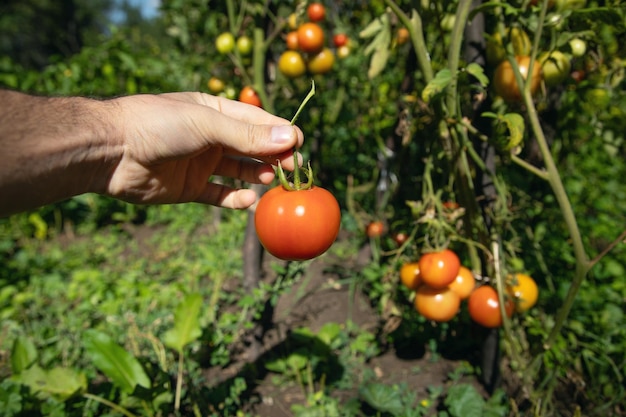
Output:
x,y
282,134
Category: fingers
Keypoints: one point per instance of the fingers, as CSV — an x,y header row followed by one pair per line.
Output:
x,y
223,196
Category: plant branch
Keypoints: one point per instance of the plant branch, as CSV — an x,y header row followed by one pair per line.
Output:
x,y
110,404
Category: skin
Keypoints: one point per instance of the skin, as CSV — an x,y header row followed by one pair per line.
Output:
x,y
143,149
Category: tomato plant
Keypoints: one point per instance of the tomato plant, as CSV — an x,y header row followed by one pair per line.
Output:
x,y
225,43
316,12
310,37
375,229
525,290
437,304
484,307
297,225
464,283
291,64
440,268
410,275
504,81
248,95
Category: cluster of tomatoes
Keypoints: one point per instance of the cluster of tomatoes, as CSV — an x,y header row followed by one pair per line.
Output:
x,y
440,283
553,67
307,49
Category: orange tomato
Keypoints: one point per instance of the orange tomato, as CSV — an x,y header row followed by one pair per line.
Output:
x,y
291,64
525,290
440,268
464,283
248,95
316,12
437,304
310,37
505,84
484,307
402,36
292,40
410,275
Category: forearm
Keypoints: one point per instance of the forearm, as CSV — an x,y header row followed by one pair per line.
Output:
x,y
53,149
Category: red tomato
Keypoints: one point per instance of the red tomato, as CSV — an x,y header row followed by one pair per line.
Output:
x,y
400,238
248,95
439,269
484,307
437,304
410,275
316,12
340,39
297,225
310,37
464,283
292,40
375,229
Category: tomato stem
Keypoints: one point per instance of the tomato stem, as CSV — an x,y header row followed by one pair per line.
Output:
x,y
297,183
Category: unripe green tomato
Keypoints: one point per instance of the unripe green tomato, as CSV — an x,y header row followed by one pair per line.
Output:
x,y
447,22
343,51
229,92
517,37
578,47
225,43
244,45
555,67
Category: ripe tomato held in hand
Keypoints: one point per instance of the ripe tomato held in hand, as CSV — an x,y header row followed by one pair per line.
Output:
x,y
316,12
439,269
484,307
525,290
297,225
310,37
464,283
248,95
410,275
437,304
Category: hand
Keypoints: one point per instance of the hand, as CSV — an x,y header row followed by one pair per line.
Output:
x,y
173,143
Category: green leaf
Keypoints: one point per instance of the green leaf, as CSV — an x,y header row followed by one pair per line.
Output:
x,y
464,401
477,72
378,62
329,332
186,323
374,27
383,398
23,354
122,368
60,383
515,125
437,85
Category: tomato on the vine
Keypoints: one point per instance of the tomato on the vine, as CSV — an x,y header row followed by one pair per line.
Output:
x,y
225,43
343,51
248,95
291,64
402,36
525,290
291,39
297,225
321,62
439,269
410,275
244,45
555,67
310,37
484,307
516,37
316,12
375,229
578,47
215,85
400,238
340,39
464,283
437,304
505,83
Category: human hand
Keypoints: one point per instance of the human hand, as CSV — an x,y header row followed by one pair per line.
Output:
x,y
173,143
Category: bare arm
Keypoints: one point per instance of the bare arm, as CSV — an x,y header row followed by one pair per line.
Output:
x,y
141,149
